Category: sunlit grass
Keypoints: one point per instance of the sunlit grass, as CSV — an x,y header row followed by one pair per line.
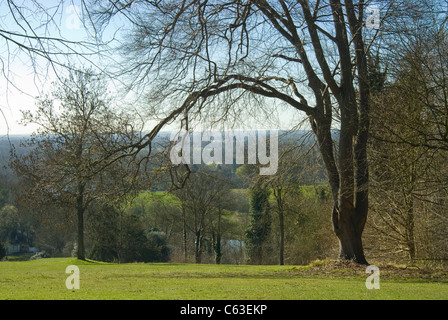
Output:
x,y
45,279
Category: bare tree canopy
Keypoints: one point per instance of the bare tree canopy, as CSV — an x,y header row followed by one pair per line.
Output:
x,y
205,63
223,56
70,153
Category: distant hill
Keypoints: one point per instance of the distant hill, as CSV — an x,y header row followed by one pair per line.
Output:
x,y
7,142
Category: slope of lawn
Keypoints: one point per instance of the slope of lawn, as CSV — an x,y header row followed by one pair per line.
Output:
x,y
46,279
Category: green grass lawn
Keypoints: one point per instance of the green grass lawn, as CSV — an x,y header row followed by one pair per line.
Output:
x,y
45,279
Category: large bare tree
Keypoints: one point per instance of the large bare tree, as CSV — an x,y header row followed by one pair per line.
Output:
x,y
219,60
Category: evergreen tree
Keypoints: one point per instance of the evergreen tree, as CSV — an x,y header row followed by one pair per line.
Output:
x,y
260,222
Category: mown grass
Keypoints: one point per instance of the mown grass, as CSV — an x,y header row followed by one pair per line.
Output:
x,y
45,279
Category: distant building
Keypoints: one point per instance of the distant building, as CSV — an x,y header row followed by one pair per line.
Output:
x,y
18,248
13,248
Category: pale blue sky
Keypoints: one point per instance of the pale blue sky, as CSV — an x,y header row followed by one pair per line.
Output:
x,y
24,79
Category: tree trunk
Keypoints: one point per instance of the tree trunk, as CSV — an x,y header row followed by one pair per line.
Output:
x,y
184,218
80,213
348,226
217,240
282,239
218,250
410,239
256,255
281,225
198,247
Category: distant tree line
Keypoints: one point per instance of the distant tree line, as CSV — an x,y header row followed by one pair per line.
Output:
x,y
73,202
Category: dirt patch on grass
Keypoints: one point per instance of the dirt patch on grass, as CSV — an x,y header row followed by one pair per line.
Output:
x,y
338,268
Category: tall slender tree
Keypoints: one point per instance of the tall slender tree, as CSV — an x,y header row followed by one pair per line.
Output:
x,y
260,225
78,134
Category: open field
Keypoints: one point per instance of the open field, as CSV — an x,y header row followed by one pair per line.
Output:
x,y
45,279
